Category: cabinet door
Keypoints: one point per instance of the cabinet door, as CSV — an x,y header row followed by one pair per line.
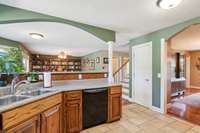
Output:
x,y
51,120
115,107
73,116
30,126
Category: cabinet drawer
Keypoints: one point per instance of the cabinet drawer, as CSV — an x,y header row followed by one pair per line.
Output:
x,y
115,90
73,95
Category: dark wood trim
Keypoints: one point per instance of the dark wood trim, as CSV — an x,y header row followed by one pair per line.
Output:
x,y
1,122
169,56
177,73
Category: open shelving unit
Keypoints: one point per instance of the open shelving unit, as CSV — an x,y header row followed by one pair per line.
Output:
x,y
41,63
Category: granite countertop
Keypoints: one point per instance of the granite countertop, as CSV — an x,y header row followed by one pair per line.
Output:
x,y
61,86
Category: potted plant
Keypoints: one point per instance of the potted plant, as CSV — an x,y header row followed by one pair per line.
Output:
x,y
33,77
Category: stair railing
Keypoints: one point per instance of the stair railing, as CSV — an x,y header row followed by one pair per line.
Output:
x,y
116,74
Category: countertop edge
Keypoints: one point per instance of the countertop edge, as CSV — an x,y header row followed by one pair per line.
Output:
x,y
36,98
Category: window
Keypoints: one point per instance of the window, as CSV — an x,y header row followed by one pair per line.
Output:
x,y
26,61
4,49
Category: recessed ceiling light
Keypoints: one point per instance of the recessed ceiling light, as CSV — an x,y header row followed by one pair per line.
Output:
x,y
36,35
168,4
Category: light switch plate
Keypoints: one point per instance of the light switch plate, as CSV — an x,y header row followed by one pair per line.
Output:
x,y
80,76
158,75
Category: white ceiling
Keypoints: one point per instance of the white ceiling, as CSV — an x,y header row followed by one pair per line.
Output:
x,y
188,40
129,18
57,37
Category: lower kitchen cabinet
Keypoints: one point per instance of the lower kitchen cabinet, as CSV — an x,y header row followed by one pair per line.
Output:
x,y
42,116
115,104
73,111
30,126
59,113
51,120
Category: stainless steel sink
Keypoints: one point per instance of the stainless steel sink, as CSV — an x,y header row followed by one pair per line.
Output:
x,y
9,99
37,92
6,100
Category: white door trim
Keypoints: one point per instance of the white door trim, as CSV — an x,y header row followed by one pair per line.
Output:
x,y
163,79
133,72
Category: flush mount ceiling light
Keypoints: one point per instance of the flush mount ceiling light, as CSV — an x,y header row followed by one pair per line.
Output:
x,y
36,35
62,55
168,4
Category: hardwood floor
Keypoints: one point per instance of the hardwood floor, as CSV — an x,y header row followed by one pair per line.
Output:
x,y
187,107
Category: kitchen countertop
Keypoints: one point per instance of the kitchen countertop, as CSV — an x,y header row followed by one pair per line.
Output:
x,y
62,86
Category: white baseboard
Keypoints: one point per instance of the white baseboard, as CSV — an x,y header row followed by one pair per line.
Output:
x,y
127,98
195,87
157,109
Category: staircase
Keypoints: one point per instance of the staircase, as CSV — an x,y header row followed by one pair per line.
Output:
x,y
121,76
125,88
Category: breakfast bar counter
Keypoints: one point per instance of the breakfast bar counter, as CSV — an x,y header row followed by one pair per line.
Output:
x,y
61,105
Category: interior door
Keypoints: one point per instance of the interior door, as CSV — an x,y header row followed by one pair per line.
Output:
x,y
142,77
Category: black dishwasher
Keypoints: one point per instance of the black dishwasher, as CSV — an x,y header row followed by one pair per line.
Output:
x,y
95,107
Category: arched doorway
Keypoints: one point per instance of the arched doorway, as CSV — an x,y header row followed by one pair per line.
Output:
x,y
182,88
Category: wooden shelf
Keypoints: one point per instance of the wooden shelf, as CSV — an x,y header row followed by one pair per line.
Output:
x,y
42,63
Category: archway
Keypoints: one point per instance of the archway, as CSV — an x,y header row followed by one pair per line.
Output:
x,y
179,62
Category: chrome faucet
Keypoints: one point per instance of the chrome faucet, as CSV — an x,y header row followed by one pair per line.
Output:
x,y
15,84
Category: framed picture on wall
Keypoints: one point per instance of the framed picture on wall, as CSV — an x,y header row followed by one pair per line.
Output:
x,y
105,60
98,60
92,64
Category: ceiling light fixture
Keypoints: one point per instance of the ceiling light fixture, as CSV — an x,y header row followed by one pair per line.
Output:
x,y
36,35
168,4
62,55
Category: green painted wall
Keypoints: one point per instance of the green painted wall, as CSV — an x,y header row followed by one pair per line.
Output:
x,y
98,66
155,37
8,42
102,54
15,15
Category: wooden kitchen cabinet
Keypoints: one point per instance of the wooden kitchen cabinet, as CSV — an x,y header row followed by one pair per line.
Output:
x,y
30,126
21,120
73,111
51,120
115,103
59,113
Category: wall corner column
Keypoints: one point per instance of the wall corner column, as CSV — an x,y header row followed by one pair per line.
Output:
x,y
110,60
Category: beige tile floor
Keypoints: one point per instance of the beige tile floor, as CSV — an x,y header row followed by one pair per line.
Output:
x,y
138,119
